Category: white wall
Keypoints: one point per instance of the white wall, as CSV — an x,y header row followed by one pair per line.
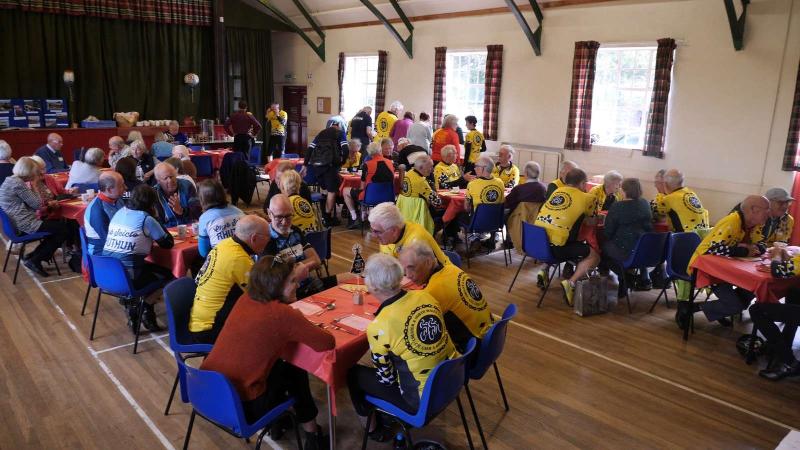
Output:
x,y
729,111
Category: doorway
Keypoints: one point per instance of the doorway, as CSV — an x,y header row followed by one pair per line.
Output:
x,y
295,103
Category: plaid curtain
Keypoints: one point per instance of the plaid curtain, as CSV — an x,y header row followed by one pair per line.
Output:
x,y
491,92
791,157
380,87
341,82
184,12
439,87
579,123
657,119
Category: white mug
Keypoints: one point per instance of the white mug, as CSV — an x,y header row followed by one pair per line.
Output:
x,y
181,231
90,192
195,228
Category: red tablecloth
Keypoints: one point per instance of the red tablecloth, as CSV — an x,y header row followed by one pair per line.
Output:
x,y
56,182
73,209
453,204
719,269
216,156
272,165
179,257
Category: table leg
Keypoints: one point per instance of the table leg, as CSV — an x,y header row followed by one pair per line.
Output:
x,y
331,419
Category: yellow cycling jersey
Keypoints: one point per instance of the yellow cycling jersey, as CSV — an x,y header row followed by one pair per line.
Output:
x,y
787,269
599,193
728,233
508,175
228,264
474,144
444,174
383,125
303,216
415,185
481,190
775,230
682,208
412,232
277,122
459,295
555,184
562,214
407,340
352,162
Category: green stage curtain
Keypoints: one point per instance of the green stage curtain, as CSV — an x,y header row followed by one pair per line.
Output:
x,y
119,65
250,57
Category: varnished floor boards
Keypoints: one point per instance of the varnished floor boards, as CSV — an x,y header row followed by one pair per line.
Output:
x,y
612,381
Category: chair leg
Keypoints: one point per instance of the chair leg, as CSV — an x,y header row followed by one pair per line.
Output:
x,y
171,394
517,274
96,308
500,385
546,288
58,269
140,313
8,254
86,298
19,260
653,306
296,427
475,416
189,431
327,272
366,430
464,422
260,438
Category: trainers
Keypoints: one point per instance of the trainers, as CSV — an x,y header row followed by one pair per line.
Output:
x,y
568,270
541,281
354,224
35,267
316,440
569,291
149,318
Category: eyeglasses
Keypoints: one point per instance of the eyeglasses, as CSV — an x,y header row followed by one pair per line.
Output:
x,y
277,217
374,231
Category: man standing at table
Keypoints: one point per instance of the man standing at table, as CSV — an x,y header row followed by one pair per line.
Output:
x,y
559,182
276,117
117,150
177,199
324,158
51,154
361,126
729,237
242,126
779,224
223,277
100,210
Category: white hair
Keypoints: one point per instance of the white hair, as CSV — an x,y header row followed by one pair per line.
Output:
x,y
353,143
673,179
420,250
402,142
181,151
135,135
570,164
421,160
94,156
38,160
532,170
508,148
449,118
448,149
5,150
485,161
612,176
395,106
373,148
386,215
26,167
383,273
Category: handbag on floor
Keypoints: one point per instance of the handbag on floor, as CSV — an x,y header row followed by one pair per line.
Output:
x,y
591,295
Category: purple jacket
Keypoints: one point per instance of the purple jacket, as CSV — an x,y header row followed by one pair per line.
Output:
x,y
400,129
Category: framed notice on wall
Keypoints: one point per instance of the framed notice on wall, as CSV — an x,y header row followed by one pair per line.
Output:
x,y
323,105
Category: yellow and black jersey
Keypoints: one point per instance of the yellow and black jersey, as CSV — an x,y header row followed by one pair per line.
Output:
x,y
724,238
602,200
562,214
407,340
415,185
227,266
508,175
383,125
682,208
474,144
458,295
303,216
413,232
481,190
775,230
277,122
447,176
787,269
555,184
353,161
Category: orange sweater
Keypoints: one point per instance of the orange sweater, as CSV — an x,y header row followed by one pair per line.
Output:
x,y
251,341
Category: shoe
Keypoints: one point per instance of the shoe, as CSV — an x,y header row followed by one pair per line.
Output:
x,y
332,222
354,224
569,291
683,314
642,286
149,318
541,281
316,440
35,267
725,322
781,371
278,427
660,283
569,270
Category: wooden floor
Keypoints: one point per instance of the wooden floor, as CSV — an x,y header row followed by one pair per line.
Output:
x,y
610,381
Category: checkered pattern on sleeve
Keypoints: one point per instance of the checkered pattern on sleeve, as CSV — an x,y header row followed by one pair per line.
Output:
x,y
491,92
380,86
341,81
439,86
657,119
579,122
791,157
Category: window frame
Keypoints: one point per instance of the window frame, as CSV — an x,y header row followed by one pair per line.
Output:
x,y
351,103
481,82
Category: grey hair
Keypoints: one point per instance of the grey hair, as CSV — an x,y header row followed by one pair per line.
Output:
x,y
94,156
485,161
135,135
448,149
508,148
5,150
660,173
373,148
367,108
448,119
570,164
421,160
38,160
402,142
383,273
395,106
386,215
611,176
354,143
182,150
420,250
674,179
138,143
26,167
532,171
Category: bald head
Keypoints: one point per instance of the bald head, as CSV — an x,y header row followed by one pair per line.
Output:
x,y
254,231
280,213
755,209
166,177
116,143
55,141
111,184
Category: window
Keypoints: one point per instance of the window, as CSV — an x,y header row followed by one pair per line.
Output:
x,y
359,84
466,73
623,86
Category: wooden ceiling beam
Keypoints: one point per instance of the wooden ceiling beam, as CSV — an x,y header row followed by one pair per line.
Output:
x,y
319,49
405,43
534,37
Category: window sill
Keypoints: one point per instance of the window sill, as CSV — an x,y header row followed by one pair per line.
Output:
x,y
624,152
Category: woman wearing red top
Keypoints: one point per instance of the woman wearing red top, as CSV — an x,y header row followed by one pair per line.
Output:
x,y
248,348
446,136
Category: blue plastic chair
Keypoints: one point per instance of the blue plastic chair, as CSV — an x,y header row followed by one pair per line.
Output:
x,y
195,147
442,387
649,252
215,399
112,279
374,195
11,234
321,242
680,248
87,263
536,244
491,348
290,156
77,153
255,156
203,165
454,257
83,187
487,218
178,299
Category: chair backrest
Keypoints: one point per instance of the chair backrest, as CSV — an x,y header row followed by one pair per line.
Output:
x,y
77,154
83,187
178,299
492,344
536,244
454,257
203,165
487,218
255,155
377,193
110,275
87,261
214,397
321,242
649,251
195,147
8,227
444,384
680,248
290,156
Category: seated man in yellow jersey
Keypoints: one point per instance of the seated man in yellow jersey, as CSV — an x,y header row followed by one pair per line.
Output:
x,y
729,237
474,145
466,313
446,174
607,193
385,121
223,277
566,166
304,218
407,339
417,200
485,188
779,224
562,216
352,162
393,232
505,169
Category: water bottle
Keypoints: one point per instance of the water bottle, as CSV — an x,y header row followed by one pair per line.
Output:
x,y
399,442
